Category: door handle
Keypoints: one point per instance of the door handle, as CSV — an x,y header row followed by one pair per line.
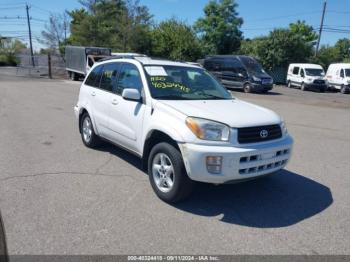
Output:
x,y
93,93
115,102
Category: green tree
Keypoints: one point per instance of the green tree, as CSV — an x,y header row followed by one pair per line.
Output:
x,y
333,54
9,48
123,25
219,29
305,31
343,48
280,48
175,40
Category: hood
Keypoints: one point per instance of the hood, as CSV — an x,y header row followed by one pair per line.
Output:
x,y
234,113
260,75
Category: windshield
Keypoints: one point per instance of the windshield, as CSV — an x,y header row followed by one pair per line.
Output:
x,y
347,72
184,83
252,65
314,72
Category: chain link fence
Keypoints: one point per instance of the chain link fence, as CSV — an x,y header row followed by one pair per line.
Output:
x,y
50,66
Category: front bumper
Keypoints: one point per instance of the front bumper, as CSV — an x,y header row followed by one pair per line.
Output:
x,y
76,112
238,163
316,86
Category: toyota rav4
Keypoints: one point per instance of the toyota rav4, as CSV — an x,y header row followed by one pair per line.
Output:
x,y
182,123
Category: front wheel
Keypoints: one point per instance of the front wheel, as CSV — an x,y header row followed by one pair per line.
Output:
x,y
289,84
303,87
247,88
167,173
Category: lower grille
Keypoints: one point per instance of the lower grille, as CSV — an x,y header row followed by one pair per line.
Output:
x,y
259,134
319,82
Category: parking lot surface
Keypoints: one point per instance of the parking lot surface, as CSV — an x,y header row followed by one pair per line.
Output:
x,y
59,197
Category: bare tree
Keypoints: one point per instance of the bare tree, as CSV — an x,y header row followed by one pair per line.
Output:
x,y
56,31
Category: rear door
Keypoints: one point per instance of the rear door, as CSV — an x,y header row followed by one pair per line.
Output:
x,y
233,72
97,100
125,116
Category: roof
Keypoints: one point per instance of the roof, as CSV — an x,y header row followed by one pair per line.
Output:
x,y
226,56
341,64
148,61
306,65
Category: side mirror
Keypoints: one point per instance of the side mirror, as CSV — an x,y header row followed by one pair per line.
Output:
x,y
131,94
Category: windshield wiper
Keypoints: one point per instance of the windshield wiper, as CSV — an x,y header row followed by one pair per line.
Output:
x,y
214,96
171,97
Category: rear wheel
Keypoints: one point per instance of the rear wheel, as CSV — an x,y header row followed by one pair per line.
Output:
x,y
74,76
167,173
343,89
247,88
90,139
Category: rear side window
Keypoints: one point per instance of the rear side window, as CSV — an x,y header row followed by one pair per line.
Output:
x,y
94,77
109,76
129,78
295,70
213,65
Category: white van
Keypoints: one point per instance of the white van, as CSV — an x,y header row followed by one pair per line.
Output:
x,y
338,77
306,76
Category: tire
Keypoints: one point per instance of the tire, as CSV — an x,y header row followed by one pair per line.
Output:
x,y
247,88
302,87
322,89
90,139
167,174
343,89
289,84
74,76
3,246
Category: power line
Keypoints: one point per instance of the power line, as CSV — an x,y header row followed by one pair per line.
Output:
x,y
284,16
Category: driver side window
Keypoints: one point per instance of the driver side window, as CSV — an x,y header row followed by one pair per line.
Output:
x,y
129,78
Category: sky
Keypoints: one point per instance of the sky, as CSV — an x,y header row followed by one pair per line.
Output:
x,y
260,16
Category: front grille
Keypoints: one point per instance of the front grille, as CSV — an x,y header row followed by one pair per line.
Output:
x,y
319,82
254,134
263,162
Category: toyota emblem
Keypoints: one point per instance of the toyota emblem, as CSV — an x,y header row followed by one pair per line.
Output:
x,y
264,133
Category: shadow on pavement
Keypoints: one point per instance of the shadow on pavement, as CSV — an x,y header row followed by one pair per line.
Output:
x,y
276,201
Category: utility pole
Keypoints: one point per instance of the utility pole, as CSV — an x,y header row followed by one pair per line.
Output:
x,y
30,35
321,27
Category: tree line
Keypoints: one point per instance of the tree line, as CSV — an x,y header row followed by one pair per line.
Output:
x,y
128,26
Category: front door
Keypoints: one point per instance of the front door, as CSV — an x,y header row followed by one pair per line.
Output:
x,y
125,116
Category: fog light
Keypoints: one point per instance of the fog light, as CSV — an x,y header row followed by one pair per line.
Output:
x,y
214,164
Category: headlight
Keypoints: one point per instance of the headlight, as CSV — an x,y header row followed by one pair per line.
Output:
x,y
309,79
348,81
256,79
207,129
284,128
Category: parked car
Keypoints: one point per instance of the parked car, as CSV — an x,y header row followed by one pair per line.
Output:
x,y
80,59
237,71
338,77
306,76
182,123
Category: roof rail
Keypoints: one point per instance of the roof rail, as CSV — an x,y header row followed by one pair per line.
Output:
x,y
121,57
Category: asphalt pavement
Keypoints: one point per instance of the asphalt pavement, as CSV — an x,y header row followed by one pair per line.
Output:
x,y
59,197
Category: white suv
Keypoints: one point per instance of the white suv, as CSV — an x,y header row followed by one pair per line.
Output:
x,y
181,122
